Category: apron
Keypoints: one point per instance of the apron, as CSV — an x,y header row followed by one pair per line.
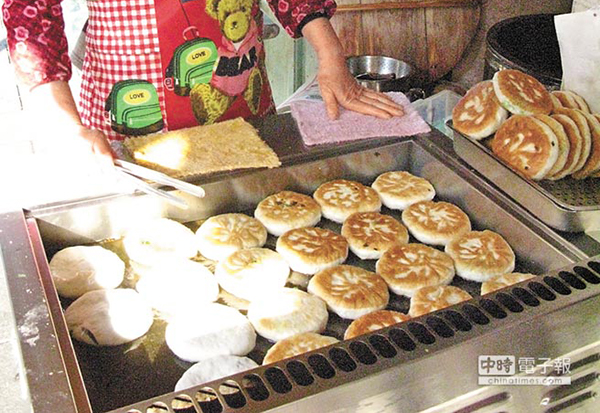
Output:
x,y
155,65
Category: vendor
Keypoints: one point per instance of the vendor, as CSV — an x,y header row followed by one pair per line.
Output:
x,y
153,65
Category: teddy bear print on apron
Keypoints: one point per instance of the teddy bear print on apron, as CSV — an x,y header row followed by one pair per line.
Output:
x,y
169,64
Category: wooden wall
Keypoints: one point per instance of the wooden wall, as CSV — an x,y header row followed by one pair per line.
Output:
x,y
431,35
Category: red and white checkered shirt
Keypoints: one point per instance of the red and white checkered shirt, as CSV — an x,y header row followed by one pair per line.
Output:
x,y
122,43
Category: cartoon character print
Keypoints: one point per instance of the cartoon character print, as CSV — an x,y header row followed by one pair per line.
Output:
x,y
238,69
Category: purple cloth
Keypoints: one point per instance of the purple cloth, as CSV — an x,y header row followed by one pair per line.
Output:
x,y
316,128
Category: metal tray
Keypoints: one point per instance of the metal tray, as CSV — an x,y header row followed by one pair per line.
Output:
x,y
568,204
118,376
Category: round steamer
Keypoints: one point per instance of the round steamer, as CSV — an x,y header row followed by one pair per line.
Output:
x,y
399,189
350,291
286,313
108,317
213,331
481,255
213,368
478,114
341,198
77,270
521,94
287,210
295,345
435,223
369,234
406,268
374,321
177,286
575,146
250,274
308,250
563,143
224,234
584,130
156,240
429,299
527,145
504,280
592,165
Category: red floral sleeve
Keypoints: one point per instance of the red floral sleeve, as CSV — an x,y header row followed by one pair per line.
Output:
x,y
294,14
36,40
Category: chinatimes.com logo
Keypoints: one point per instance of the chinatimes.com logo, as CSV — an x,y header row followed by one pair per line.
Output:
x,y
504,370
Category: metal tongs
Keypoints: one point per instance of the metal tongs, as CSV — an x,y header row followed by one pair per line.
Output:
x,y
137,175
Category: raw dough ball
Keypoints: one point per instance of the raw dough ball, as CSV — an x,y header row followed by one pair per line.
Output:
x,y
212,369
109,317
77,270
178,285
213,331
159,239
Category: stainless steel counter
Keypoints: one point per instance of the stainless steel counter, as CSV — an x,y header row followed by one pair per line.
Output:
x,y
560,326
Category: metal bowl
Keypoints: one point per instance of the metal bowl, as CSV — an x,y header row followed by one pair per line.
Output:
x,y
381,73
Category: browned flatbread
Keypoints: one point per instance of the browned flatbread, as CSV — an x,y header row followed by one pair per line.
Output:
x,y
429,299
481,255
566,99
527,145
374,321
563,143
504,280
435,223
223,146
297,344
406,268
571,100
478,114
592,165
584,131
521,93
575,146
370,234
556,103
350,291
341,198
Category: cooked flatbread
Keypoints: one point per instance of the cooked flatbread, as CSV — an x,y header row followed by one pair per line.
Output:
x,y
308,250
369,234
505,280
435,223
341,198
297,344
223,146
481,255
575,146
350,291
374,321
406,268
585,132
399,189
478,114
527,145
592,165
429,299
563,143
521,94
287,210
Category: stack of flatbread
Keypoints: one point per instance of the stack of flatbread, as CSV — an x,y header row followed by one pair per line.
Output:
x,y
539,134
224,146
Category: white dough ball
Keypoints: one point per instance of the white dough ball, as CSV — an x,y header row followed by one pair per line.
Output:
x,y
77,270
212,369
109,317
159,239
215,330
178,285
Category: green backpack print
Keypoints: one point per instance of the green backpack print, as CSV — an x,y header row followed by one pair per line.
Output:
x,y
133,108
192,64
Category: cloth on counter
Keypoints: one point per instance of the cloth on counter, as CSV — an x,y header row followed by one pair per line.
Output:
x,y
316,128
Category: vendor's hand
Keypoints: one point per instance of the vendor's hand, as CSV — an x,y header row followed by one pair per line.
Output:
x,y
339,88
98,144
